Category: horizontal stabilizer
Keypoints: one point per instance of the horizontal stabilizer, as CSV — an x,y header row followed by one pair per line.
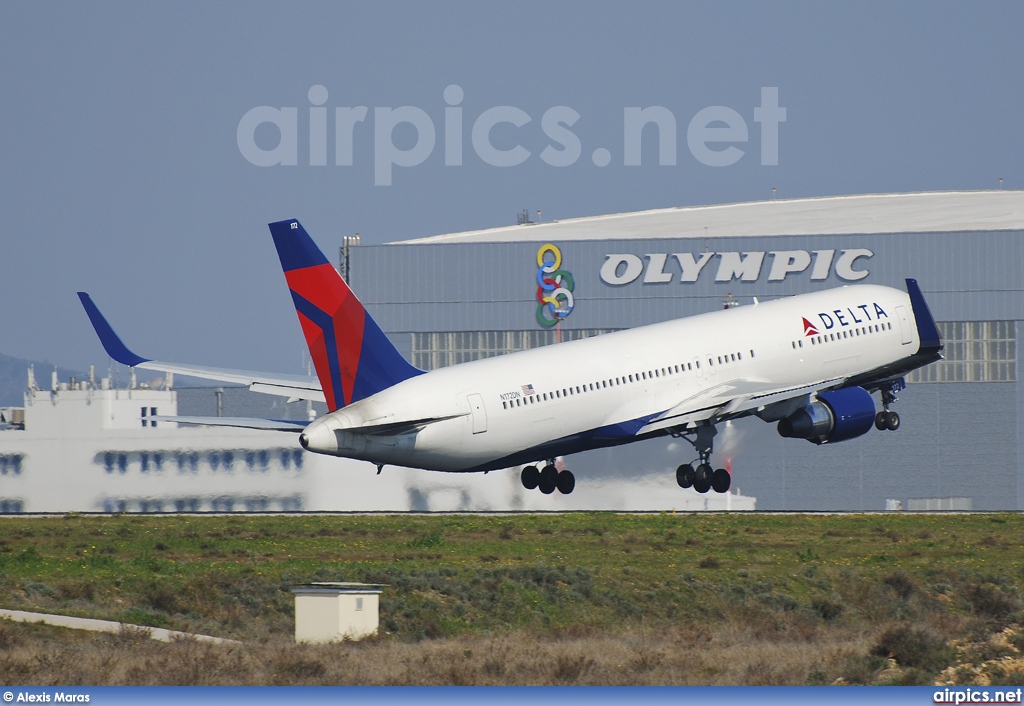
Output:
x,y
237,422
390,428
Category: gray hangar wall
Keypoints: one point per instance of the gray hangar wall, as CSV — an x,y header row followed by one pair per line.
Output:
x,y
963,418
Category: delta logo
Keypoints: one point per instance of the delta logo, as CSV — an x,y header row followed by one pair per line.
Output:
x,y
851,316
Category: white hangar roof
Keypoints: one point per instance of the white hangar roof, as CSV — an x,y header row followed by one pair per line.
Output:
x,y
926,212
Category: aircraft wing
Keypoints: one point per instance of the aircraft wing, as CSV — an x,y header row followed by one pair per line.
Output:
x,y
731,399
293,386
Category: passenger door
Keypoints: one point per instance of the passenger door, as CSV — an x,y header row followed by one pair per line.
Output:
x,y
479,414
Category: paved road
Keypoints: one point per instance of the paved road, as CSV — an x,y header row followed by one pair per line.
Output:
x,y
66,621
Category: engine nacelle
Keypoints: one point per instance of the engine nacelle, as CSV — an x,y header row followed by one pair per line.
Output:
x,y
835,416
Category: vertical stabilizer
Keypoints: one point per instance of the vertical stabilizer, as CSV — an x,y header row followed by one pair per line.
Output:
x,y
352,356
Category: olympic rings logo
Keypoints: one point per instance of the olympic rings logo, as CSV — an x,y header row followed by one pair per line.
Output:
x,y
554,287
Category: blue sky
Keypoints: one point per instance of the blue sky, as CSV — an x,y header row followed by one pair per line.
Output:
x,y
121,171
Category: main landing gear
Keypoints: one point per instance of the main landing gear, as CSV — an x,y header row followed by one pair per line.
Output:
x,y
887,419
548,479
702,478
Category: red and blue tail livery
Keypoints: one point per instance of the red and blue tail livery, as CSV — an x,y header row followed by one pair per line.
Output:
x,y
352,356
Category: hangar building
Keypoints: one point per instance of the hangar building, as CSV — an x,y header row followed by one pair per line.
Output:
x,y
453,298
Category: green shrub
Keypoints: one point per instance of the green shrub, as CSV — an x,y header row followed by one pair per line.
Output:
x,y
828,607
913,646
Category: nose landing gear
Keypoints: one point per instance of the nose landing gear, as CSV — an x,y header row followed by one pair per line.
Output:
x,y
887,419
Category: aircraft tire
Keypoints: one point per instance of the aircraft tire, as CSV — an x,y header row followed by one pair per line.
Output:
x,y
566,482
548,480
530,477
684,476
880,421
702,478
892,421
721,481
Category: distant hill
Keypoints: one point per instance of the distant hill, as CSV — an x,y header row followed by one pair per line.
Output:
x,y
14,381
14,378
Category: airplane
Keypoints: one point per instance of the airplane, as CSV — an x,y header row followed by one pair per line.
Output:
x,y
809,363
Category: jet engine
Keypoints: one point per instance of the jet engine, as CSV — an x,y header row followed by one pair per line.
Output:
x,y
835,416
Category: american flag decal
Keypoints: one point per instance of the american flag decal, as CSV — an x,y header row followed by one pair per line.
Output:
x,y
528,390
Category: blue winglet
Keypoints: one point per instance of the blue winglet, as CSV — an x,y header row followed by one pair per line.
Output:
x,y
931,341
113,345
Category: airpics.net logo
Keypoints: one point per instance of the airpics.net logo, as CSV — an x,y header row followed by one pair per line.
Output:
x,y
716,136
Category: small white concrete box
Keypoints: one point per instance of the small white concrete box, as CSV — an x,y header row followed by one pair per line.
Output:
x,y
330,611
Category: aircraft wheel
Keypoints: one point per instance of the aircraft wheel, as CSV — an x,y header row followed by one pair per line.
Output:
x,y
566,482
702,478
684,476
880,421
892,421
530,477
548,480
721,480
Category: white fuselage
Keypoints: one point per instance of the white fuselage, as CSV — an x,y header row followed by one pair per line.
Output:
x,y
623,386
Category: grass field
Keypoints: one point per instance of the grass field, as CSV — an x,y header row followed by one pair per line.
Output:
x,y
589,598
